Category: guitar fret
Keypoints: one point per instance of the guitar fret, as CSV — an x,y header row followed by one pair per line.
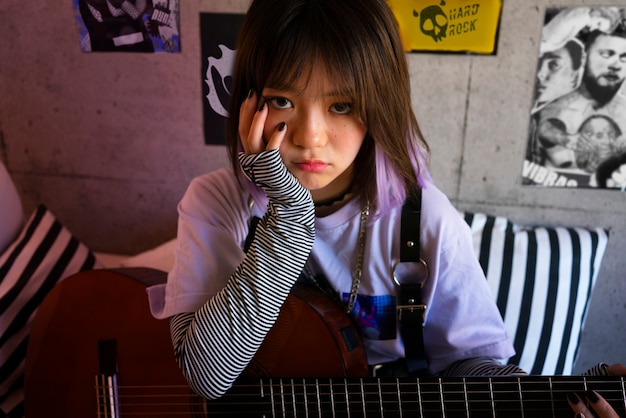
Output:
x,y
492,396
443,409
332,397
363,406
282,397
345,387
317,393
552,391
300,400
521,402
519,391
419,398
624,392
465,398
306,399
310,403
399,396
294,400
380,397
432,398
272,398
294,397
370,399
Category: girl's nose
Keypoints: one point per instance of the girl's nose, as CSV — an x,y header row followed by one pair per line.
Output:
x,y
309,130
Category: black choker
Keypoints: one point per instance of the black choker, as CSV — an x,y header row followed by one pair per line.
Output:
x,y
330,201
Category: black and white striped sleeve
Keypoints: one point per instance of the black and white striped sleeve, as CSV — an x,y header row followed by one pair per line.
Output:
x,y
215,344
482,366
600,369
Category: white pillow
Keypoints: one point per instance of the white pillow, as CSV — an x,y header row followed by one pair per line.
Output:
x,y
160,257
541,278
11,212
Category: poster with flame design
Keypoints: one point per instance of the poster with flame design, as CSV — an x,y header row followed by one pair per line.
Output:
x,y
218,32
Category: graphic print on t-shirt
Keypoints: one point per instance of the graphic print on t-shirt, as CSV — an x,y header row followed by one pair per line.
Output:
x,y
375,315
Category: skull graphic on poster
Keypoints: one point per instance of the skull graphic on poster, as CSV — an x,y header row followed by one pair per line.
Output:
x,y
433,22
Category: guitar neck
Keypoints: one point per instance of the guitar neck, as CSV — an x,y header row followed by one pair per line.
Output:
x,y
532,396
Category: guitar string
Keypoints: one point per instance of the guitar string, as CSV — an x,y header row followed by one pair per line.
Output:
x,y
451,381
375,409
374,382
437,396
373,406
239,408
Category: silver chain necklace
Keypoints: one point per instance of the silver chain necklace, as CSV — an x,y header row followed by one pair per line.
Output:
x,y
358,270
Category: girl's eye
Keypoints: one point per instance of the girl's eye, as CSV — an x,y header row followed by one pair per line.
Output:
x,y
342,108
279,102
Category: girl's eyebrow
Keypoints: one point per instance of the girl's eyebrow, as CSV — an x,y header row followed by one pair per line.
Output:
x,y
337,93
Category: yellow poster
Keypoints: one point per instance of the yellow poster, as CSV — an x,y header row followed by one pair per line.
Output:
x,y
448,25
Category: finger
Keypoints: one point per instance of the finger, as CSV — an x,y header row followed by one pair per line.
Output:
x,y
246,114
618,369
600,406
255,140
251,122
578,406
277,137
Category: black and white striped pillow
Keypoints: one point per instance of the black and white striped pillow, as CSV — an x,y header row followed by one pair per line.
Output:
x,y
541,278
43,254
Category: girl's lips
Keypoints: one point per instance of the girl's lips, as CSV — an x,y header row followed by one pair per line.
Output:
x,y
314,166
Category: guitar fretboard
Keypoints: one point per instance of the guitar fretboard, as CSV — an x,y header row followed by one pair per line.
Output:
x,y
532,396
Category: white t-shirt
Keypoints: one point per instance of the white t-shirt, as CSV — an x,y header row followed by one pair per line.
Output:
x,y
462,320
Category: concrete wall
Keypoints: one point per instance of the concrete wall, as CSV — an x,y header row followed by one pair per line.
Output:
x,y
110,141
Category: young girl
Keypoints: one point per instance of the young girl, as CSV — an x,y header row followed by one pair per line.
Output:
x,y
325,149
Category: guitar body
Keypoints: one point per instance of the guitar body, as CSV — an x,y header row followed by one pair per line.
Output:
x,y
313,337
63,361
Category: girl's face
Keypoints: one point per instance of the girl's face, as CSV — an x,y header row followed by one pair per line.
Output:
x,y
323,135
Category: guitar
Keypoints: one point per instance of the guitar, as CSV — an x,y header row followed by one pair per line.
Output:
x,y
95,351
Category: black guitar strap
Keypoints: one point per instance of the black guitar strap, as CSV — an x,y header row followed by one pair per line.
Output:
x,y
411,311
251,230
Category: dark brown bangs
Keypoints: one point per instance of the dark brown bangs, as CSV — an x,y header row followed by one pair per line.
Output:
x,y
305,41
288,65
287,71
